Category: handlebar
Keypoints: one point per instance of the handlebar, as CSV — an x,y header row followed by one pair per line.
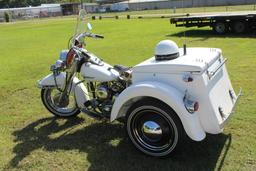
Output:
x,y
98,36
80,38
83,35
94,35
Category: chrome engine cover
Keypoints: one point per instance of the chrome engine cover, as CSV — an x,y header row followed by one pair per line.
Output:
x,y
102,92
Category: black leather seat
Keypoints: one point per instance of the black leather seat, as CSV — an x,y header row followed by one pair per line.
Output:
x,y
121,68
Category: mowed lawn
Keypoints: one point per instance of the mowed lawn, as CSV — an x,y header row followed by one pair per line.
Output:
x,y
32,139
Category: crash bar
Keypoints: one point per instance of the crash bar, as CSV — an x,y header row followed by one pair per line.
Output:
x,y
233,109
212,73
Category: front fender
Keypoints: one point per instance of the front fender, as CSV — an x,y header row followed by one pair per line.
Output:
x,y
49,81
166,93
80,91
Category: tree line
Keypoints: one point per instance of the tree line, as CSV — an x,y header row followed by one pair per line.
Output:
x,y
26,3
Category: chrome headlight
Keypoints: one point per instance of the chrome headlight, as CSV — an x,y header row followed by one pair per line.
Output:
x,y
63,55
67,56
60,64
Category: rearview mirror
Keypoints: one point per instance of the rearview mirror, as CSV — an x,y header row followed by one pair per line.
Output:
x,y
89,26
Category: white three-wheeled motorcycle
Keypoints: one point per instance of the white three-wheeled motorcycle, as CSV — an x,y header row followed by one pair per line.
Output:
x,y
177,92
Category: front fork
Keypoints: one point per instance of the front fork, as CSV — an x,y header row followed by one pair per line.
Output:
x,y
70,73
65,82
64,94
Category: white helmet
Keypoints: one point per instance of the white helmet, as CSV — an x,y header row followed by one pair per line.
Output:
x,y
166,50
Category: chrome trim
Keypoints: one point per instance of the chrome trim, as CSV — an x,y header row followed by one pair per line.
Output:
x,y
40,86
151,129
59,64
63,55
221,113
212,73
217,57
231,94
233,109
188,103
102,92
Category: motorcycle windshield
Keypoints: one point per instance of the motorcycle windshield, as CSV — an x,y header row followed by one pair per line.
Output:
x,y
81,24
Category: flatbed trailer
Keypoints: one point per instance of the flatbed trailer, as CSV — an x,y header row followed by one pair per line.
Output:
x,y
237,22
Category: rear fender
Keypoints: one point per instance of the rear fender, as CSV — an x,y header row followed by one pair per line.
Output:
x,y
165,93
79,90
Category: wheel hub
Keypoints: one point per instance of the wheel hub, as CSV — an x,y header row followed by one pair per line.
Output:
x,y
61,101
152,131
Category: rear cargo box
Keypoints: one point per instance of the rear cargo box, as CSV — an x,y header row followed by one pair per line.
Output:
x,y
211,85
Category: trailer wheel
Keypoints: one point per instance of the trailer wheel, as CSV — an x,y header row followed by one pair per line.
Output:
x,y
220,27
239,27
154,128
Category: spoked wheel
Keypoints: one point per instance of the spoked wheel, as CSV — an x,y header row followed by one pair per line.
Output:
x,y
65,108
154,128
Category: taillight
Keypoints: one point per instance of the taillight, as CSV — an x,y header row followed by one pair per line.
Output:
x,y
191,105
196,106
187,78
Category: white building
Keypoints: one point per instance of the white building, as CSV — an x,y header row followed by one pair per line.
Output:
x,y
45,10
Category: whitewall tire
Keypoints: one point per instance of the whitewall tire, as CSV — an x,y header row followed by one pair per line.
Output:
x,y
154,128
47,97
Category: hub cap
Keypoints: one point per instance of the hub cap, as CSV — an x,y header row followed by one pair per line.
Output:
x,y
152,131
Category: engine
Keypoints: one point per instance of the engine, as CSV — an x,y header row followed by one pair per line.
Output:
x,y
104,95
108,90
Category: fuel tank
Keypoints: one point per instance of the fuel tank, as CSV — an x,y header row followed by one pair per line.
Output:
x,y
101,72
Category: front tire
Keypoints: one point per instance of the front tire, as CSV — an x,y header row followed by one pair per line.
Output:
x,y
47,97
154,128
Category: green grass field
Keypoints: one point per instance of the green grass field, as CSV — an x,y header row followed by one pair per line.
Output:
x,y
32,139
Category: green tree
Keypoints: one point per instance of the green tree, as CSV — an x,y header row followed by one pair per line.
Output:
x,y
7,17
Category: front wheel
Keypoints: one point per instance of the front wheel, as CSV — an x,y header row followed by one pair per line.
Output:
x,y
50,98
154,128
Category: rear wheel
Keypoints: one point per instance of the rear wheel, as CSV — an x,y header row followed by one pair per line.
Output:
x,y
154,128
238,27
220,27
51,97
